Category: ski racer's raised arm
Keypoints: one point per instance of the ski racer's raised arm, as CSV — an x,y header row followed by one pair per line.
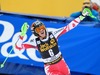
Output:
x,y
72,24
19,44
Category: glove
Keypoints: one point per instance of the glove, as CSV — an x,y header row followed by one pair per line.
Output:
x,y
86,12
24,29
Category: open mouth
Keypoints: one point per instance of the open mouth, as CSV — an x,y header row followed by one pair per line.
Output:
x,y
42,32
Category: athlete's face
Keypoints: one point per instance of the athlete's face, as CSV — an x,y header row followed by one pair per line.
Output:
x,y
87,3
41,31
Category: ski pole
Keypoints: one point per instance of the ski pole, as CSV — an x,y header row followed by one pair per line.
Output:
x,y
2,65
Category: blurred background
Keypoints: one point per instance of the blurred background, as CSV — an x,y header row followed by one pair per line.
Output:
x,y
80,47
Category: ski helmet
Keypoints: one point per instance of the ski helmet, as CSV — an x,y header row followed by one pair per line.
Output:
x,y
36,26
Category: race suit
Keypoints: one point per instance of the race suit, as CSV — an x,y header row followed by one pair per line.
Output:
x,y
54,63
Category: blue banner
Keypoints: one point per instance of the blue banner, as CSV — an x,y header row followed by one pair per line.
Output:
x,y
80,46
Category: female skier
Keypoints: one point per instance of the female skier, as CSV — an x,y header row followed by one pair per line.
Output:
x,y
46,44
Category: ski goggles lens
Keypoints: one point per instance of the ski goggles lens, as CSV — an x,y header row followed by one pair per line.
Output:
x,y
39,28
